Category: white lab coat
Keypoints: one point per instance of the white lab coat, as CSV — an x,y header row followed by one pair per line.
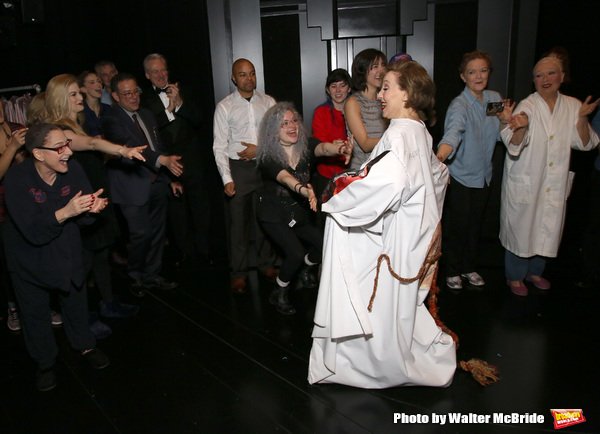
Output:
x,y
537,181
394,210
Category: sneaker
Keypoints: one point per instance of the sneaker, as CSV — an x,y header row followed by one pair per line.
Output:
x,y
45,379
115,309
12,320
474,279
159,282
517,287
96,358
539,282
56,319
454,282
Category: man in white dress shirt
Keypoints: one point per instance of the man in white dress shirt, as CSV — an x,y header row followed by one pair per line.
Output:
x,y
236,123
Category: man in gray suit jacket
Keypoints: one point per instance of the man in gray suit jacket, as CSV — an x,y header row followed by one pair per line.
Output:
x,y
141,189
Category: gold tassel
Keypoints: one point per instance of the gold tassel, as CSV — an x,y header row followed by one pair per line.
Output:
x,y
484,373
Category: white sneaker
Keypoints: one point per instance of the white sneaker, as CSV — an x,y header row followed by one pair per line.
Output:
x,y
454,282
474,278
12,320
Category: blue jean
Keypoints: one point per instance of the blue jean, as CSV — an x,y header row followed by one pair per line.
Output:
x,y
517,268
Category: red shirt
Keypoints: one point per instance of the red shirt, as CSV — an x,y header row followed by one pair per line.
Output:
x,y
328,124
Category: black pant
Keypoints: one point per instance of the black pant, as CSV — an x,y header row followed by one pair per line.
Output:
x,y
463,215
146,226
290,241
34,311
242,226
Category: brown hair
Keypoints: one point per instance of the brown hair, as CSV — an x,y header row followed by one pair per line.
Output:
x,y
472,55
416,82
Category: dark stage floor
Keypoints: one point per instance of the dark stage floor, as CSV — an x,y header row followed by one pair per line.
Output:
x,y
201,360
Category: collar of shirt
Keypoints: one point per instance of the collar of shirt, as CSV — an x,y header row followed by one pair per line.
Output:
x,y
472,99
163,97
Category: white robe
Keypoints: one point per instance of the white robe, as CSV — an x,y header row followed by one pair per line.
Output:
x,y
536,181
394,210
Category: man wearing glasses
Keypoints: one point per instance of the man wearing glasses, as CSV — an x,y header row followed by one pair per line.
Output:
x,y
141,189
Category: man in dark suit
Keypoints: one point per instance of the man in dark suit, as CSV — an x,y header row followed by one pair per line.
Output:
x,y
179,122
140,189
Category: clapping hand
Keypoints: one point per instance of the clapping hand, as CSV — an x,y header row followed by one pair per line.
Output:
x,y
17,138
98,203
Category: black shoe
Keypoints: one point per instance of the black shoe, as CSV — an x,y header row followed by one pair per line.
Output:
x,y
160,282
96,358
136,288
115,309
99,329
281,297
45,379
308,277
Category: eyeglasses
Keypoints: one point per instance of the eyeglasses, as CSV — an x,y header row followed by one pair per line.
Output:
x,y
130,93
289,123
60,149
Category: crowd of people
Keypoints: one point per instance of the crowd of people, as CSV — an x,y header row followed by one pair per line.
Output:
x,y
103,164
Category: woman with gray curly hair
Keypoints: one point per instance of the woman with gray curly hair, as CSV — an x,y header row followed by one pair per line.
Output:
x,y
287,198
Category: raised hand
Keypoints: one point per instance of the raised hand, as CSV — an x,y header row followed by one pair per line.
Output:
x,y
588,107
17,138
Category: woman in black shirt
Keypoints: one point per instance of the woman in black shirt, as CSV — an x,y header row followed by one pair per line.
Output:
x,y
287,199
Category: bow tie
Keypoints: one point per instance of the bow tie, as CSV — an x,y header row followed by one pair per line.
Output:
x,y
159,90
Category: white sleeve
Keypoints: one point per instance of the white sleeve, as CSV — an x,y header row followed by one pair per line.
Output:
x,y
220,144
515,149
364,201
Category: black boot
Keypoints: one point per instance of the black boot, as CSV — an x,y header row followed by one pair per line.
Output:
x,y
307,278
280,298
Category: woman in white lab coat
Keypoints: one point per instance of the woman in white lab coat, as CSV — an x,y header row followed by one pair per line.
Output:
x,y
537,181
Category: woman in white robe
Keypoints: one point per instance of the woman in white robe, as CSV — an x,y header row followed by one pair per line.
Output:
x,y
394,210
537,180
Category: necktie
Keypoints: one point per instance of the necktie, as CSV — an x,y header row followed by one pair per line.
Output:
x,y
159,90
137,124
136,121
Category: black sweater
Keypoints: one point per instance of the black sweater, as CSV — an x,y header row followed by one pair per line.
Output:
x,y
38,248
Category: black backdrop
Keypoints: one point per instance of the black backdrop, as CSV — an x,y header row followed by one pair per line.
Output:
x,y
75,34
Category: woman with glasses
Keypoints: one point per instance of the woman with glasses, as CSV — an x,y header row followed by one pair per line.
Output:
x,y
286,198
65,107
48,198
